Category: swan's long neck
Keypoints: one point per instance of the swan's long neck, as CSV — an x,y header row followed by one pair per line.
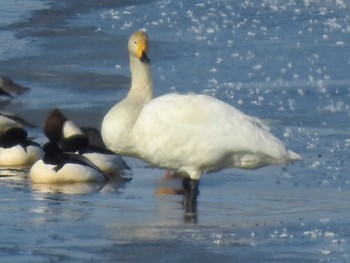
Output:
x,y
142,83
118,124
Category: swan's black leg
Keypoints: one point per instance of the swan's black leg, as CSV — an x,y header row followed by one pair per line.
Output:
x,y
190,195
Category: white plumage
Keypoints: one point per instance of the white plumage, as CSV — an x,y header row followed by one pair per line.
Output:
x,y
187,133
58,167
197,134
19,155
190,134
42,172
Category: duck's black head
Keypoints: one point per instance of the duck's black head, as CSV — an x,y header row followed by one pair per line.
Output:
x,y
54,125
53,154
74,143
13,136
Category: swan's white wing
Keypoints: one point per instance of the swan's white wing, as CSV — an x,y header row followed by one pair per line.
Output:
x,y
184,130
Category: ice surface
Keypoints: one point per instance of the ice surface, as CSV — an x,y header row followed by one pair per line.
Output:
x,y
286,62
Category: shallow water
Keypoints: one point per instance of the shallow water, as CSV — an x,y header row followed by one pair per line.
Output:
x,y
284,61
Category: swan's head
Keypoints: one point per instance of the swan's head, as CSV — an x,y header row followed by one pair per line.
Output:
x,y
138,46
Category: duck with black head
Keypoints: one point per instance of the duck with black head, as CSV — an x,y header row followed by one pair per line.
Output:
x,y
72,138
58,167
16,149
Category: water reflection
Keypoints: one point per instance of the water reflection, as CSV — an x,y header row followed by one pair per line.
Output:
x,y
18,176
112,185
172,184
14,177
68,188
13,172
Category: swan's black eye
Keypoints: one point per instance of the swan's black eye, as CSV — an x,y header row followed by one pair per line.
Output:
x,y
135,42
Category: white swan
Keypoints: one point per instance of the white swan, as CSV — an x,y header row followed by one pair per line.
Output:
x,y
189,134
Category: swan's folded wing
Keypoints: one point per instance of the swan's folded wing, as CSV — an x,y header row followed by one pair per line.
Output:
x,y
202,129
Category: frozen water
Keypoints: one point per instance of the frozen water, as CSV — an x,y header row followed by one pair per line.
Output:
x,y
286,62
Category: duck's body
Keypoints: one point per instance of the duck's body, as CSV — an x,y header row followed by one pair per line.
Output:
x,y
15,147
6,123
189,134
9,87
110,163
42,172
58,167
8,119
72,139
19,155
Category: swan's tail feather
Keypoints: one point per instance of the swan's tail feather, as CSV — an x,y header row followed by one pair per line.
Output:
x,y
293,157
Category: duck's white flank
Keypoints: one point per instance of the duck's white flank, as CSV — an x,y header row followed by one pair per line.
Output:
x,y
20,156
69,173
15,148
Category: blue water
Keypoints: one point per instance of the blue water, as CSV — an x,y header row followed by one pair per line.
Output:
x,y
286,62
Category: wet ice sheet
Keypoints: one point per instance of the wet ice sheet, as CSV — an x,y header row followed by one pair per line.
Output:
x,y
284,61
283,224
17,10
13,11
